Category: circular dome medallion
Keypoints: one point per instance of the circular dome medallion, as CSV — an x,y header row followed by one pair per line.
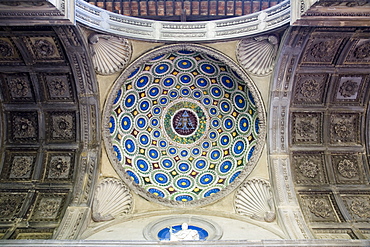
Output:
x,y
185,122
192,125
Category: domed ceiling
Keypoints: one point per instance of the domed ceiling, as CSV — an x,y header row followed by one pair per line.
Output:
x,y
186,125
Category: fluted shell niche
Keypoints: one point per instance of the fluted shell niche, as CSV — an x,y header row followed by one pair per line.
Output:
x,y
184,125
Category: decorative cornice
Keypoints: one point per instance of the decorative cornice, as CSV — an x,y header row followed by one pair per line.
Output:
x,y
44,12
150,30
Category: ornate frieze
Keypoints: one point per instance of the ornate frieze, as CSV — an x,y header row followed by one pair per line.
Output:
x,y
310,88
307,128
112,198
228,28
309,168
28,233
338,234
344,128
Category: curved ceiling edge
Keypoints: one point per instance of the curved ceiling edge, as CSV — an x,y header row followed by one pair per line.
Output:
x,y
290,216
161,31
78,211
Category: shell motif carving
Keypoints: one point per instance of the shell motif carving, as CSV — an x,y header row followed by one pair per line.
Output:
x,y
109,53
112,198
257,55
254,199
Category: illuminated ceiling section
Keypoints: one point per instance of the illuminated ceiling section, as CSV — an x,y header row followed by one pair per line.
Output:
x,y
183,125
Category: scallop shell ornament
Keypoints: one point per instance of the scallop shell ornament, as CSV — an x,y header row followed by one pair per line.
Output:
x,y
257,55
110,54
112,198
254,199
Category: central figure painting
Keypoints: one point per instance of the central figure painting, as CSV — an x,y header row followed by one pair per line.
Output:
x,y
184,125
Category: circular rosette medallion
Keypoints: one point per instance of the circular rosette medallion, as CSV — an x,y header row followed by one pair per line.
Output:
x,y
185,122
184,125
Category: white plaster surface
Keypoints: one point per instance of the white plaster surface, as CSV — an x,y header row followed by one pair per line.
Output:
x,y
232,230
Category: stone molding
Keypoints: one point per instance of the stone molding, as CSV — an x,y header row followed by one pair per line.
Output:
x,y
254,243
41,12
150,30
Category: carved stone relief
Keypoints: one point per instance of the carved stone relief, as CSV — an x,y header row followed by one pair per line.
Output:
x,y
62,126
110,53
44,49
112,198
58,87
257,55
254,199
358,206
334,234
347,168
22,167
8,51
19,87
24,127
321,49
350,4
309,168
349,89
344,128
33,233
48,207
10,205
307,128
310,89
60,165
319,208
359,52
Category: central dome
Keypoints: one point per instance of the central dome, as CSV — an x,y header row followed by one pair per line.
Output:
x,y
184,125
